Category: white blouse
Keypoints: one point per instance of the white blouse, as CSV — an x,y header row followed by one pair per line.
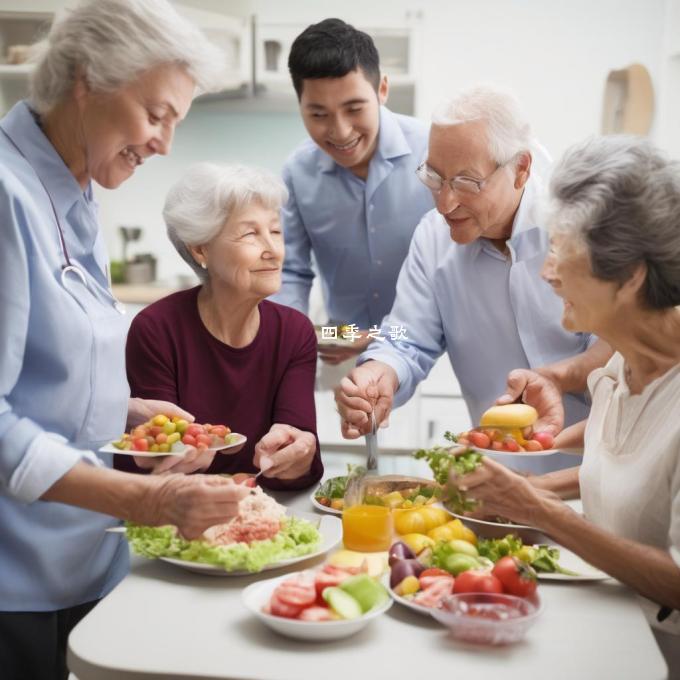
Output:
x,y
630,476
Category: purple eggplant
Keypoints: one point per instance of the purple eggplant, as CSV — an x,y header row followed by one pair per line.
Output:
x,y
399,551
403,568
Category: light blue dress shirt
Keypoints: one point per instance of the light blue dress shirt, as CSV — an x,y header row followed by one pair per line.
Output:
x,y
359,231
63,390
490,312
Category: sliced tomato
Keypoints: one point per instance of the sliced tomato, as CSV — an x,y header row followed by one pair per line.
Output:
x,y
435,593
428,581
296,593
278,608
325,579
316,614
427,577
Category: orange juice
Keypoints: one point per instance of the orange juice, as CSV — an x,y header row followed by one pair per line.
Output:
x,y
367,528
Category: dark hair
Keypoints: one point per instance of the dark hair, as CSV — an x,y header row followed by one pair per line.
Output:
x,y
332,49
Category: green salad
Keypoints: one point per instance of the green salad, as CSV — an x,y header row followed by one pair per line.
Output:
x,y
297,538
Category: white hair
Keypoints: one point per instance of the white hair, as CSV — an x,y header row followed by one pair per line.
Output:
x,y
111,42
509,133
199,204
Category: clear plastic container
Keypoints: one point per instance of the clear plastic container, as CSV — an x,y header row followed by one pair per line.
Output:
x,y
488,618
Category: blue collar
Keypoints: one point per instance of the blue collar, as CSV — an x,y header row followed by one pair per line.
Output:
x,y
391,143
21,126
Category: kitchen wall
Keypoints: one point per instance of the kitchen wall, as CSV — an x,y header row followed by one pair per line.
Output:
x,y
554,55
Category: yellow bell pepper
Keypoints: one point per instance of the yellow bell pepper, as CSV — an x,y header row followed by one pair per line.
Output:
x,y
417,542
419,520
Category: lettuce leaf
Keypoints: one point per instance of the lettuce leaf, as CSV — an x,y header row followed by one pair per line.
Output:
x,y
297,538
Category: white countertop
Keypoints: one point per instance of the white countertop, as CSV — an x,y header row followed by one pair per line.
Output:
x,y
164,622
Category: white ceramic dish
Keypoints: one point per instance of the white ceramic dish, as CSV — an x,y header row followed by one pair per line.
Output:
x,y
330,529
257,595
526,454
230,449
409,604
323,508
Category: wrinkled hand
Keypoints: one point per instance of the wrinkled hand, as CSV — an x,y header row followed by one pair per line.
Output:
x,y
538,391
285,452
369,387
335,354
192,461
192,503
501,492
141,410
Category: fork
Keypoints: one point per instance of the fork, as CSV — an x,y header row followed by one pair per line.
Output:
x,y
372,445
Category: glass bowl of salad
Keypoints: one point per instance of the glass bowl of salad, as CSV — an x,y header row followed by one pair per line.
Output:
x,y
488,618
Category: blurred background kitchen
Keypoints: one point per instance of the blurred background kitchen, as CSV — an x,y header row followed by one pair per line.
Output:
x,y
579,68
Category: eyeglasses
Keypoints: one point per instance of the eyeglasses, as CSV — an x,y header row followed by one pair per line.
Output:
x,y
460,184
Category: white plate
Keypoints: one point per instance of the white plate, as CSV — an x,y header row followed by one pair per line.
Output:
x,y
526,454
230,449
323,508
257,595
330,529
570,560
409,604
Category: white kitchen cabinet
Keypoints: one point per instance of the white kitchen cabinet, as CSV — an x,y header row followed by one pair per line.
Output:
x,y
439,414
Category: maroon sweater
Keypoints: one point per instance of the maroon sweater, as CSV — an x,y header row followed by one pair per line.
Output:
x,y
171,355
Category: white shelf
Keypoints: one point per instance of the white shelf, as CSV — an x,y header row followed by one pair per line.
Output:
x,y
15,71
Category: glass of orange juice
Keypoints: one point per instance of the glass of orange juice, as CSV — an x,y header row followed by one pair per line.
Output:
x,y
367,528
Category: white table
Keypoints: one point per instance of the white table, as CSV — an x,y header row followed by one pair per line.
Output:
x,y
165,622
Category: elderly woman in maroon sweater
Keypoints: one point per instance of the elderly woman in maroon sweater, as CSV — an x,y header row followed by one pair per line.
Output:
x,y
222,351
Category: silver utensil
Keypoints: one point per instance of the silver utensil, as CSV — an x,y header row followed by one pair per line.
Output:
x,y
372,445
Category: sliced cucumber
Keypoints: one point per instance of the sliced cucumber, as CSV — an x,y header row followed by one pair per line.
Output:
x,y
342,603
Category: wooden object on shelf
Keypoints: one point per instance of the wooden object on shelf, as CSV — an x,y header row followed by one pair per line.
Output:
x,y
628,101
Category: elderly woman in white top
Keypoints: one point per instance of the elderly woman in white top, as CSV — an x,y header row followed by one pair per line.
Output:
x,y
615,262
111,82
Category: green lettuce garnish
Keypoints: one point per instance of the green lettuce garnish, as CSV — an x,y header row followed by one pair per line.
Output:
x,y
297,538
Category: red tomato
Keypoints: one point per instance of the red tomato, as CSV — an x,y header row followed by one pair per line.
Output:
x,y
325,579
435,593
497,446
429,576
194,430
140,444
189,440
479,439
161,438
517,577
509,444
476,581
219,430
278,608
545,439
296,593
249,481
155,430
203,439
316,614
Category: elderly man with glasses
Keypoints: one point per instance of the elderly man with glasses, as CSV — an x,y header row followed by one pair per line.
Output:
x,y
471,283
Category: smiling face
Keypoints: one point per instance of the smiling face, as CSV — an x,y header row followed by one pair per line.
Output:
x,y
462,149
590,304
246,256
342,116
125,127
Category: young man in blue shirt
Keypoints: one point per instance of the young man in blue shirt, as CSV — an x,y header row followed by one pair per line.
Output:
x,y
354,197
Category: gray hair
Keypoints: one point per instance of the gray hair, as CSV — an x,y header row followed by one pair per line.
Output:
x,y
200,203
509,133
111,42
621,196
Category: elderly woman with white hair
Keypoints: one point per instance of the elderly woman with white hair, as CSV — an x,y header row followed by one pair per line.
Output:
x,y
111,82
221,350
614,220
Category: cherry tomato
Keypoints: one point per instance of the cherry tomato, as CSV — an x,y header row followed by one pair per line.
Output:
x,y
203,439
189,440
194,430
140,444
219,430
480,439
545,439
476,581
509,444
533,445
517,577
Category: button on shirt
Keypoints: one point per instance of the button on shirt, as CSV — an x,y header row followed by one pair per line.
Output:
x,y
359,231
490,312
63,390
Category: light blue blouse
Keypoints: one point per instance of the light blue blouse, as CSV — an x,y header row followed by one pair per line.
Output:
x,y
358,231
63,390
490,312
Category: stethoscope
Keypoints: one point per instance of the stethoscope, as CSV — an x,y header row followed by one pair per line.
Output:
x,y
68,267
